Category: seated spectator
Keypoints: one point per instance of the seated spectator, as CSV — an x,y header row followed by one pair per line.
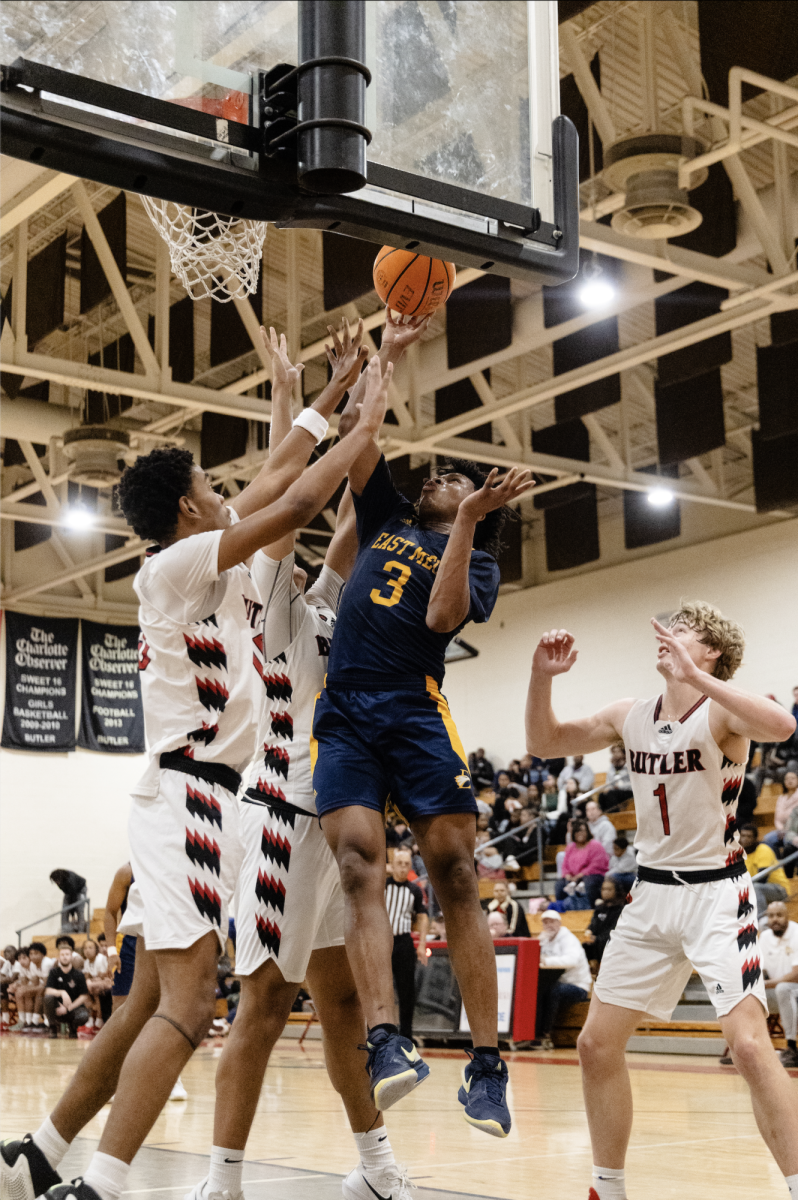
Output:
x,y
578,770
397,834
791,842
584,866
490,863
506,800
746,802
497,925
481,769
30,992
20,977
99,981
530,770
551,794
623,864
521,848
560,948
437,930
758,857
617,788
485,802
66,995
533,798
777,759
514,771
609,907
778,947
567,808
785,804
795,702
600,825
8,961
510,909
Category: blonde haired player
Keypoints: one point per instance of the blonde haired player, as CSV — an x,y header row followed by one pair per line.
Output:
x,y
692,905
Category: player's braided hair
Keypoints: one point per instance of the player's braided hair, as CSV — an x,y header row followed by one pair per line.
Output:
x,y
149,492
488,533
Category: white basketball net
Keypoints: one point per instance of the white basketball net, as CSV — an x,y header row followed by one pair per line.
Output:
x,y
211,255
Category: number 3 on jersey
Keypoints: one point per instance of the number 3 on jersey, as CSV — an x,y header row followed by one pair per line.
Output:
x,y
661,795
397,585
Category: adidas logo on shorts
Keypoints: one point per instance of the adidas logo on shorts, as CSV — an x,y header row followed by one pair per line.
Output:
x,y
718,989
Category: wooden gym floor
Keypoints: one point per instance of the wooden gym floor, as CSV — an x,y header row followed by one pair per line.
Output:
x,y
694,1133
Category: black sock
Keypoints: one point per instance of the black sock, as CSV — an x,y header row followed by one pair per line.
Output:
x,y
386,1026
791,1043
487,1050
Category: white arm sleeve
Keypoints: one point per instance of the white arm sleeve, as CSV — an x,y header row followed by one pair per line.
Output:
x,y
326,591
283,603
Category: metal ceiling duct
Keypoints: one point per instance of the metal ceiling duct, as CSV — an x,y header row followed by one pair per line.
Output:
x,y
647,169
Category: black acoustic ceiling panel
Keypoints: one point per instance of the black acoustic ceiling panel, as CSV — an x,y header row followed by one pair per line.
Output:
x,y
775,476
458,398
479,320
684,307
761,35
577,350
714,199
116,356
568,439
94,285
777,380
181,339
348,264
511,565
222,439
690,418
643,523
573,106
784,327
572,535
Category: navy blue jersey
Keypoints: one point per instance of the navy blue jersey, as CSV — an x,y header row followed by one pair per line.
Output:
x,y
382,636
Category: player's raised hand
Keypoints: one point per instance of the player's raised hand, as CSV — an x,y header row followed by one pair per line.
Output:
x,y
496,493
347,355
554,653
401,332
673,659
284,373
373,407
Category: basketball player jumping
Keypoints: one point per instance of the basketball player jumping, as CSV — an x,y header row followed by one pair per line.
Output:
x,y
692,905
382,726
289,903
202,699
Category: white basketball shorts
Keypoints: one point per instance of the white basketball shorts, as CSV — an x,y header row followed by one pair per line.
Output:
x,y
666,932
289,900
185,852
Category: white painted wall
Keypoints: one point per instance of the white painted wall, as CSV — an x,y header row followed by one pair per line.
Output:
x,y
751,576
70,810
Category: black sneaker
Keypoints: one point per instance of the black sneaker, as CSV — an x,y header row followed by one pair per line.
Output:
x,y
24,1170
76,1190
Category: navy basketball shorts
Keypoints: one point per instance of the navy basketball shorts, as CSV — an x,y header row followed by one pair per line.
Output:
x,y
123,979
366,746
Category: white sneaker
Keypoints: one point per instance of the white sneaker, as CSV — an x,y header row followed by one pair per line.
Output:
x,y
393,1184
200,1192
511,863
178,1092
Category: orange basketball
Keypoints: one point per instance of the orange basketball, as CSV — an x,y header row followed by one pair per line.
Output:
x,y
412,284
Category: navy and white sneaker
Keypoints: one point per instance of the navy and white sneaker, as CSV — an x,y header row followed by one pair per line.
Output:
x,y
394,1065
25,1172
483,1093
76,1190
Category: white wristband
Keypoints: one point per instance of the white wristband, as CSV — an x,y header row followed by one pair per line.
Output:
x,y
313,422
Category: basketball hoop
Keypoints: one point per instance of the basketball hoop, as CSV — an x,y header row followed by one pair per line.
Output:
x,y
211,255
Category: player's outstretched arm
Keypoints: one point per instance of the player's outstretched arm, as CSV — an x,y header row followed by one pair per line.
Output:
x,y
545,735
308,495
743,713
450,598
342,550
290,451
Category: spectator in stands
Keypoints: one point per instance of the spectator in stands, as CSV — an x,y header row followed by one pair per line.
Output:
x,y
785,804
504,803
16,976
777,759
533,798
609,907
497,924
533,770
438,930
406,911
791,841
99,981
560,948
578,770
30,998
584,866
8,961
617,789
66,995
623,864
481,769
501,780
510,909
514,771
489,860
746,802
600,825
73,908
758,857
778,947
521,848
795,702
397,835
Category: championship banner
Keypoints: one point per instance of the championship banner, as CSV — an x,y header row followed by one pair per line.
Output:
x,y
111,713
41,668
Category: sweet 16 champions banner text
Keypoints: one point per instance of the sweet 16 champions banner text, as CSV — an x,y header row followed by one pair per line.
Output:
x,y
111,713
41,669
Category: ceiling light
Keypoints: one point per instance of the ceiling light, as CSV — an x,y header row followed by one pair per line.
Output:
x,y
77,516
596,291
660,497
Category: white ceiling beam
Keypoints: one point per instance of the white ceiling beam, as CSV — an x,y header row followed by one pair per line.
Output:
x,y
702,476
602,439
113,611
68,561
40,191
123,554
765,229
488,396
597,108
36,514
19,297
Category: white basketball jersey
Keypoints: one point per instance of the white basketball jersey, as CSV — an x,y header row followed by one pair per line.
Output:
x,y
292,678
685,790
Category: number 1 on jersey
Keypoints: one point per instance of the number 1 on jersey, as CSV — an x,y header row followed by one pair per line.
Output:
x,y
661,795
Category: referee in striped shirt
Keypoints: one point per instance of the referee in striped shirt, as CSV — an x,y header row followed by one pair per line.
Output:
x,y
406,910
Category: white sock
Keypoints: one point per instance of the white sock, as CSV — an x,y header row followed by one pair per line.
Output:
x,y
375,1150
227,1167
792,1184
27,1018
35,1019
50,1142
609,1183
106,1175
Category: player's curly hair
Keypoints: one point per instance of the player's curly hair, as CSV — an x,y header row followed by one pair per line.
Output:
x,y
488,533
149,492
716,631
